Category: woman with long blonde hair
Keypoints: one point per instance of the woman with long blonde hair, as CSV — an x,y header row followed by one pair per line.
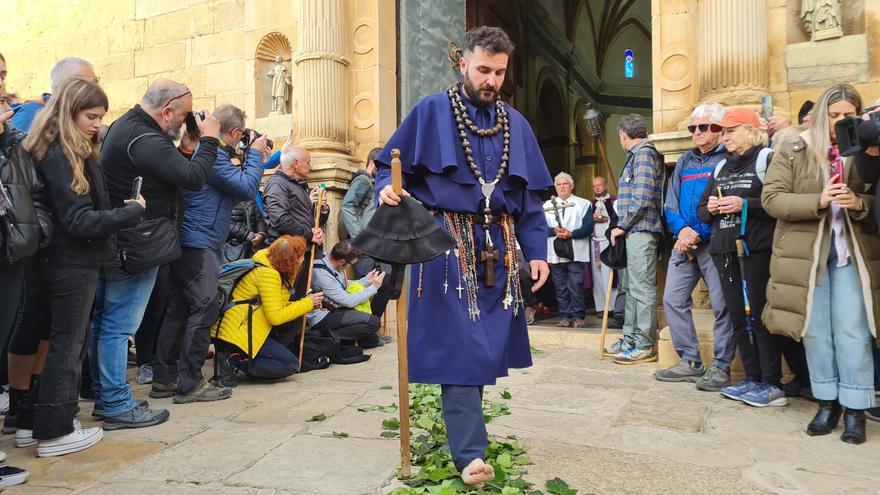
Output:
x,y
63,144
825,268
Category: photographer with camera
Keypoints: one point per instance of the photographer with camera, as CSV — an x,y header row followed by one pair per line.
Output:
x,y
185,334
344,321
141,144
824,224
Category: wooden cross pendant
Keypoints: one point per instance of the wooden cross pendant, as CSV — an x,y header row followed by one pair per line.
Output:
x,y
489,255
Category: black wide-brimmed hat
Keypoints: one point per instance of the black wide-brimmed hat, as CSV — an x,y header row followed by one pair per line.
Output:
x,y
403,234
614,257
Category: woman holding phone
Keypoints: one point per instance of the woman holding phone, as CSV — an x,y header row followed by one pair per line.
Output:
x,y
824,270
63,145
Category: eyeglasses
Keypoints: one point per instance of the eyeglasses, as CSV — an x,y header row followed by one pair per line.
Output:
x,y
176,98
704,127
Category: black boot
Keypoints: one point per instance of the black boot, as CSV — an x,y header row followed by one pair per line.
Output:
x,y
854,426
225,374
826,418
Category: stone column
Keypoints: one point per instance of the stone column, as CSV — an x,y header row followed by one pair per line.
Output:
x,y
323,73
732,44
322,95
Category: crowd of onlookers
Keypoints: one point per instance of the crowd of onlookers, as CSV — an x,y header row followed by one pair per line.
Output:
x,y
155,231
783,234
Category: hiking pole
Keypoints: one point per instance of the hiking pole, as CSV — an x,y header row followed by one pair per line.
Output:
x,y
741,257
605,313
302,331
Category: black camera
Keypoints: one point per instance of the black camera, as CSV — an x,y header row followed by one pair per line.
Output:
x,y
855,134
246,140
190,120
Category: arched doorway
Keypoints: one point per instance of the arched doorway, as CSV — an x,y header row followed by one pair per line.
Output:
x,y
552,126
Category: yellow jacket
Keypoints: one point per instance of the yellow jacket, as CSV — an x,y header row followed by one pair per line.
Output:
x,y
274,309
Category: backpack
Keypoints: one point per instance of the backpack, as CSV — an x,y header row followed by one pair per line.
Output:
x,y
765,156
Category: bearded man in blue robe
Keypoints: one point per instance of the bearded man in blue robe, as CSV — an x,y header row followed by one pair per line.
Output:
x,y
474,163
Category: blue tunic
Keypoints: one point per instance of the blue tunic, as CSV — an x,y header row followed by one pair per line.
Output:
x,y
446,345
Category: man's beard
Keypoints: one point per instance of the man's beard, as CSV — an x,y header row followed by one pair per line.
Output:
x,y
474,94
173,132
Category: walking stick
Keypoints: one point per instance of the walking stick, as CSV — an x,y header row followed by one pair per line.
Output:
x,y
605,314
302,331
402,356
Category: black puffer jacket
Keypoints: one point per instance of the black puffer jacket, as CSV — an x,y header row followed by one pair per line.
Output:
x,y
28,224
289,210
84,224
245,222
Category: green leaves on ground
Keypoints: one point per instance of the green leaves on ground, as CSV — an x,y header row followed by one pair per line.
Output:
x,y
437,474
558,487
340,434
317,417
385,387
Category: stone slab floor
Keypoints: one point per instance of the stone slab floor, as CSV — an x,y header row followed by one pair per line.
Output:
x,y
601,427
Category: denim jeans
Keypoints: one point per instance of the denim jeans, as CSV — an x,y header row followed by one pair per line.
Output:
x,y
838,339
51,405
120,302
568,279
681,278
272,362
640,318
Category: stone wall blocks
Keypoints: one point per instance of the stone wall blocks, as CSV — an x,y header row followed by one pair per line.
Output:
x,y
228,15
225,77
125,93
160,58
218,47
180,25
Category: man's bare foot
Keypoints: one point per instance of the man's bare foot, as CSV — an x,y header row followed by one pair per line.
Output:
x,y
477,472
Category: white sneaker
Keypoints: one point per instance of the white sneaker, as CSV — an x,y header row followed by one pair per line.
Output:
x,y
73,442
25,438
4,402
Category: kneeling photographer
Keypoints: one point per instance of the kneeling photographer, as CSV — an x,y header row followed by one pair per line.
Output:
x,y
349,318
185,334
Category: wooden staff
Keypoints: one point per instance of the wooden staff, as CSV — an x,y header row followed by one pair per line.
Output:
x,y
302,331
605,314
402,356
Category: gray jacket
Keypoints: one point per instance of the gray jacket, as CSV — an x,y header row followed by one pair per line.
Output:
x,y
358,206
289,211
332,282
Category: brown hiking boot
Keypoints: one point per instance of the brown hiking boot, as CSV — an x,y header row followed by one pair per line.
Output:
x,y
204,392
530,316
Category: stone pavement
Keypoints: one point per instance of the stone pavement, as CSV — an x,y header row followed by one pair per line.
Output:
x,y
601,427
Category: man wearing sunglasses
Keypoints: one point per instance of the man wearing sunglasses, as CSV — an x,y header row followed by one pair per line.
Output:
x,y
690,260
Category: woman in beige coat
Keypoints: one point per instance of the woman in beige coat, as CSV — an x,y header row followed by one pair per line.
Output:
x,y
823,272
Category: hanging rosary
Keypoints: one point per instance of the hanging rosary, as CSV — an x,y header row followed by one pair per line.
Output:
x,y
502,123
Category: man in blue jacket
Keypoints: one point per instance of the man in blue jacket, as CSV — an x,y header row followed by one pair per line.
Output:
x,y
691,261
185,334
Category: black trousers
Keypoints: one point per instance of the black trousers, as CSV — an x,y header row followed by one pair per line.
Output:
x,y
185,334
350,325
33,322
148,333
763,360
51,406
12,281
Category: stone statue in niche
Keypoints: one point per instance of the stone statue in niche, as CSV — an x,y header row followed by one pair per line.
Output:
x,y
281,83
822,19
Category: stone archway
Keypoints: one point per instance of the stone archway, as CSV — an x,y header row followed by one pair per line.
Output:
x,y
271,46
553,125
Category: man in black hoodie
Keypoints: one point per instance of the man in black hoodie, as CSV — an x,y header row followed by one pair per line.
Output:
x,y
141,144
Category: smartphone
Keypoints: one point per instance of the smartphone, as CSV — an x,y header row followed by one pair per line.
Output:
x,y
136,187
767,107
